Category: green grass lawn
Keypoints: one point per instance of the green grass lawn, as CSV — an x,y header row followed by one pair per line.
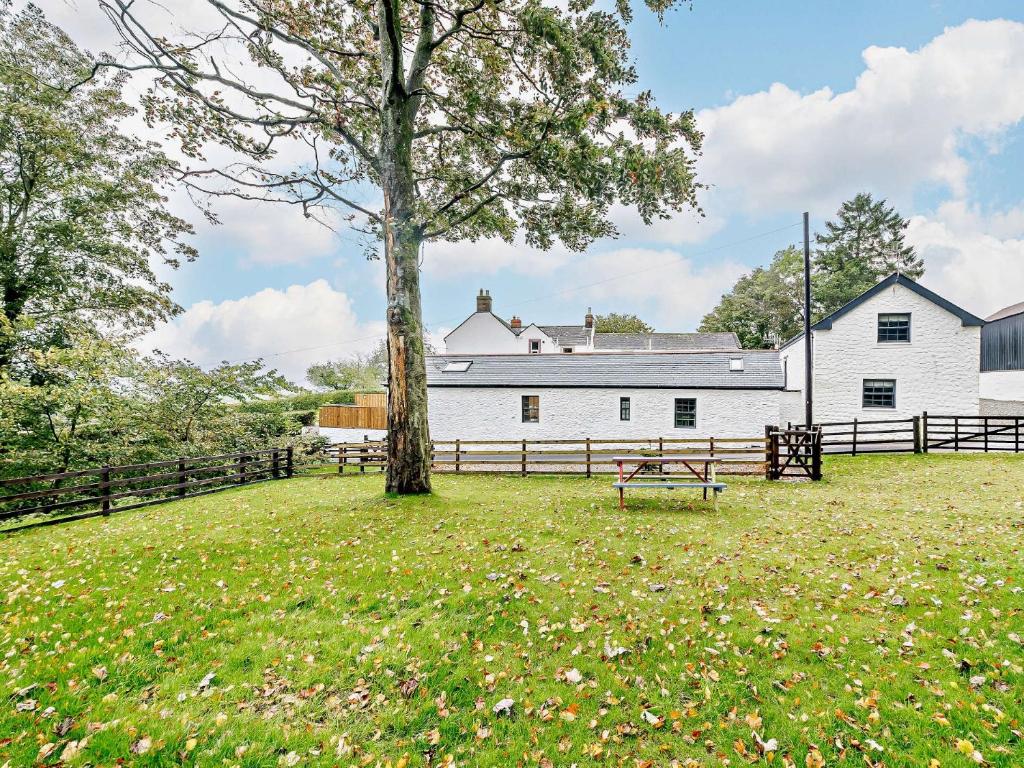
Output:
x,y
874,618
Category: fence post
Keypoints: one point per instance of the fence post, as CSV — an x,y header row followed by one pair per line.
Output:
x,y
275,464
289,466
816,455
362,454
458,451
588,457
524,458
956,434
854,452
768,428
242,461
924,432
182,476
661,447
105,490
1016,434
917,434
711,443
985,428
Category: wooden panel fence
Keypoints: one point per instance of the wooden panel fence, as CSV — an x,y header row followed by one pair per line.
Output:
x,y
585,456
372,399
354,416
64,496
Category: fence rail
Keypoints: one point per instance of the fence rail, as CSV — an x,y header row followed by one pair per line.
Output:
x,y
972,433
584,456
49,498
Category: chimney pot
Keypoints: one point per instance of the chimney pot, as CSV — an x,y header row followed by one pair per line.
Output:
x,y
483,301
516,322
588,321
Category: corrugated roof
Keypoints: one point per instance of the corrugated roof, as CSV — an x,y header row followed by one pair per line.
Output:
x,y
1010,311
661,370
666,341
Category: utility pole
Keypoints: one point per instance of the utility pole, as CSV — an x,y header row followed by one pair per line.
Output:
x,y
808,362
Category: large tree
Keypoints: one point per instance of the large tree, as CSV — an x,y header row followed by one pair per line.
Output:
x,y
764,307
616,322
82,213
864,243
426,120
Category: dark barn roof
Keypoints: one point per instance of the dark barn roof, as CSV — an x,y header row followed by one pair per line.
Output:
x,y
652,370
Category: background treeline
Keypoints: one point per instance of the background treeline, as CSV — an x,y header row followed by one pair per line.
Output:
x,y
862,244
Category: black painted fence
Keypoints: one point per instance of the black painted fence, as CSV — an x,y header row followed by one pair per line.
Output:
x,y
63,496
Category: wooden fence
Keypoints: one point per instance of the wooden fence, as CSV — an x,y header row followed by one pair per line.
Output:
x,y
372,399
354,416
924,433
972,433
585,456
871,436
64,496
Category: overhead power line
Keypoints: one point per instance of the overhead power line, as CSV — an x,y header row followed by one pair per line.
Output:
x,y
561,292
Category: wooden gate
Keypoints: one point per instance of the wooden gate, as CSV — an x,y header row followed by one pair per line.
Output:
x,y
794,453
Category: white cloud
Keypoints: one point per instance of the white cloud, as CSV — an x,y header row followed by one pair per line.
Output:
x,y
969,266
487,256
289,329
676,291
901,125
272,233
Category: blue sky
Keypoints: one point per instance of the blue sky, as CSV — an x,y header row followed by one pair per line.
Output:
x,y
804,104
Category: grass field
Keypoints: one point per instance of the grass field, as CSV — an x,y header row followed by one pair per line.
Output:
x,y
874,618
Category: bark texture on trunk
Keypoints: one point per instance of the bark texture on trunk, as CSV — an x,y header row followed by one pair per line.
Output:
x,y
408,432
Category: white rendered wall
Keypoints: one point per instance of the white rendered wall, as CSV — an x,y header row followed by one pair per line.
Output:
x,y
347,435
1003,385
482,334
937,371
480,413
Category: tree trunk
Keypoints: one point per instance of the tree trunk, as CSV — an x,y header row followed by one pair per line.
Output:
x,y
408,431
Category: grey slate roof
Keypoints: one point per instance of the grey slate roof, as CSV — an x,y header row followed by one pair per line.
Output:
x,y
569,335
652,370
666,341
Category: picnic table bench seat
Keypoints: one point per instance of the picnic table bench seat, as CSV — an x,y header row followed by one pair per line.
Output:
x,y
702,468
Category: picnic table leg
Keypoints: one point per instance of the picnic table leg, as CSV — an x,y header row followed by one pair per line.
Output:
x,y
706,466
622,492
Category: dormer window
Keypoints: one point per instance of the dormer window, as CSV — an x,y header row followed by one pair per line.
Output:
x,y
894,328
534,346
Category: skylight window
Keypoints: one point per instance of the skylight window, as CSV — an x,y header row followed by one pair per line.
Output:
x,y
457,366
736,364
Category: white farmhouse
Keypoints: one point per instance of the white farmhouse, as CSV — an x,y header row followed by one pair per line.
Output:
x,y
624,395
896,350
485,333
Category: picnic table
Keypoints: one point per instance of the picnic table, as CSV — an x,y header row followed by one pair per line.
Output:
x,y
702,468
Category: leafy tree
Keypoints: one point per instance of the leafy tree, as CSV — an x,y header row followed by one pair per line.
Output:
x,y
78,407
765,307
96,401
82,211
464,118
359,372
187,399
863,244
616,323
